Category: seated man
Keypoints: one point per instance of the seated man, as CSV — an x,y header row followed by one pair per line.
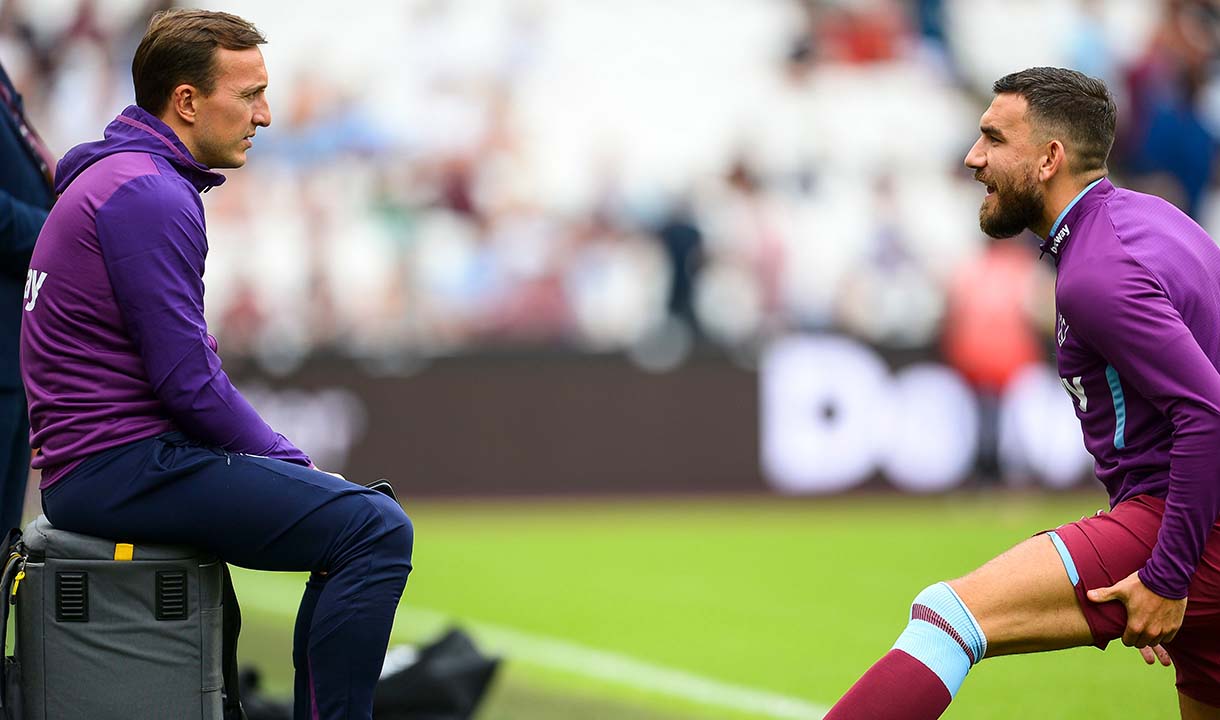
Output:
x,y
140,434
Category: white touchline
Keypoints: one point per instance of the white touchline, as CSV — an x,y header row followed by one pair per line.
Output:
x,y
568,657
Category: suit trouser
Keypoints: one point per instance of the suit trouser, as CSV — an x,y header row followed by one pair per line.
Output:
x,y
14,456
263,514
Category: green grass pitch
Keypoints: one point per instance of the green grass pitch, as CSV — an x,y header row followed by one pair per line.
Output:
x,y
666,609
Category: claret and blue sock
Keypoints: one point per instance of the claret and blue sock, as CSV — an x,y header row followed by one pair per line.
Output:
x,y
919,677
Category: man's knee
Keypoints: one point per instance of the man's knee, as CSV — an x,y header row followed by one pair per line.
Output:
x,y
941,607
373,524
943,635
399,542
397,539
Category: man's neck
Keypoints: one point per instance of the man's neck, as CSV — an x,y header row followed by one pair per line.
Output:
x,y
1058,196
181,129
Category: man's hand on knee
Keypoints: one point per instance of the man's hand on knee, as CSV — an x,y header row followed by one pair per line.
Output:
x,y
1151,619
328,472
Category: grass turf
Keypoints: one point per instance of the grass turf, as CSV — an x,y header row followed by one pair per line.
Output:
x,y
795,597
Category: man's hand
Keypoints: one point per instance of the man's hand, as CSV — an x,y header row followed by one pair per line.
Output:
x,y
328,472
1154,653
1151,619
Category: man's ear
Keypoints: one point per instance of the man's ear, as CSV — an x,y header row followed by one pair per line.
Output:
x,y
183,103
1053,161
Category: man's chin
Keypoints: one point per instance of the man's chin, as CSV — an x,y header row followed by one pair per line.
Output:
x,y
995,230
1000,234
231,163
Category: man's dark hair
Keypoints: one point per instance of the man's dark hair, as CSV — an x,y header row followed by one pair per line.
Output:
x,y
1071,105
180,47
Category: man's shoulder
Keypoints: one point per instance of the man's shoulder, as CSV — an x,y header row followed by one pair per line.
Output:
x,y
1130,231
129,171
1138,218
1163,241
136,178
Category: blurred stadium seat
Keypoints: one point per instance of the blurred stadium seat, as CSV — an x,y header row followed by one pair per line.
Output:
x,y
679,183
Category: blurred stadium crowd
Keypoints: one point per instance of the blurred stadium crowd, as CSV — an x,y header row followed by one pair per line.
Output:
x,y
446,176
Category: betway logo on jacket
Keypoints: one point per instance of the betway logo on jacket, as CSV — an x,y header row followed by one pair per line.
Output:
x,y
1057,241
33,285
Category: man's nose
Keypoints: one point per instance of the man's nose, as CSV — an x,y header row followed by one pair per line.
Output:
x,y
976,158
262,115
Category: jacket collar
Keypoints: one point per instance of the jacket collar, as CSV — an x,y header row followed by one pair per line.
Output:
x,y
1084,201
136,130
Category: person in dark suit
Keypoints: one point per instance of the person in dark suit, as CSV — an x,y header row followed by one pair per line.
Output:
x,y
26,169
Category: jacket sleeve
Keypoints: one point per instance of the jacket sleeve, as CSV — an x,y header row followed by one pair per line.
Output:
x,y
1128,317
20,223
153,244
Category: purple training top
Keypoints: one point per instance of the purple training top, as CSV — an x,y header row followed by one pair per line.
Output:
x,y
114,347
1138,336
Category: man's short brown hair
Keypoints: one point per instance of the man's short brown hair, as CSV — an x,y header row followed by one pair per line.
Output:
x,y
179,47
1070,105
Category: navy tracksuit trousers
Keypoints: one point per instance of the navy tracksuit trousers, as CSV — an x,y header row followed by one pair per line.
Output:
x,y
263,514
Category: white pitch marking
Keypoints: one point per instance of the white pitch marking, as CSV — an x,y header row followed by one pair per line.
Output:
x,y
571,658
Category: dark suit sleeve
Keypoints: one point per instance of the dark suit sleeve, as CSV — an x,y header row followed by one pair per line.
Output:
x,y
19,226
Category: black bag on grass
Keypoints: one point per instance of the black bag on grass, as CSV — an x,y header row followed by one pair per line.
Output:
x,y
446,681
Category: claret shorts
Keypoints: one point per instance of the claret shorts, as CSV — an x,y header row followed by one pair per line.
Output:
x,y
1109,546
